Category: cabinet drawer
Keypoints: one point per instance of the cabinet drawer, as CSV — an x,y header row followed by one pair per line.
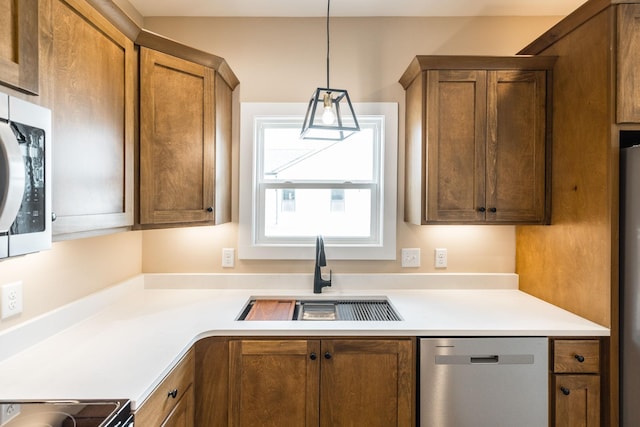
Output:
x,y
576,356
168,393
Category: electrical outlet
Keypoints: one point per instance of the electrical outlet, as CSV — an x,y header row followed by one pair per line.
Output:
x,y
228,257
11,299
411,257
8,411
441,258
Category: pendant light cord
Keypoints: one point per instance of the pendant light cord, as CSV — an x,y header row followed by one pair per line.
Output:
x,y
328,8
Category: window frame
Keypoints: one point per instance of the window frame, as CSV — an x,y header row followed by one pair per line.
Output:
x,y
383,218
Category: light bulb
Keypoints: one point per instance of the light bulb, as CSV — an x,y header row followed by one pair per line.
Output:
x,y
328,116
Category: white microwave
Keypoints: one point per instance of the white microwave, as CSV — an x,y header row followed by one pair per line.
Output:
x,y
25,177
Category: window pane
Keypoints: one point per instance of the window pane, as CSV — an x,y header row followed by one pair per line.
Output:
x,y
287,157
309,212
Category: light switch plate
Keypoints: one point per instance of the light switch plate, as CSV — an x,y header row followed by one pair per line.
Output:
x,y
11,299
411,257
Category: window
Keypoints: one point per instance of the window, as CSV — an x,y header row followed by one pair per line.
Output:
x,y
292,190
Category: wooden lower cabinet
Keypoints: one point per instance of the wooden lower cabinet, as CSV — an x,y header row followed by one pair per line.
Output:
x,y
306,382
366,383
172,402
182,413
575,382
576,400
274,382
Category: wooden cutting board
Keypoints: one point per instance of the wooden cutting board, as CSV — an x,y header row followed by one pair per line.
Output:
x,y
270,309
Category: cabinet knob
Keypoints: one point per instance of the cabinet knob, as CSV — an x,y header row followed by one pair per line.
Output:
x,y
493,210
173,393
209,209
327,355
482,209
53,216
313,356
565,391
579,358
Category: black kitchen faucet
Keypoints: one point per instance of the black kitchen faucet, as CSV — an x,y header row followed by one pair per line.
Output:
x,y
321,261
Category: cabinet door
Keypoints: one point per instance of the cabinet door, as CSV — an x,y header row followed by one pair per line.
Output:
x,y
577,400
456,127
176,140
172,401
273,382
628,78
19,31
367,383
516,142
182,413
93,72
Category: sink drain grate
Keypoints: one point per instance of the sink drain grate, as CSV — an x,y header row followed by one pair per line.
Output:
x,y
366,310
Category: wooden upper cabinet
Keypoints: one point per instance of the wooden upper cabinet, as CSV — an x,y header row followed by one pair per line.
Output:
x,y
19,62
186,101
92,75
516,146
476,140
177,137
455,161
224,107
628,77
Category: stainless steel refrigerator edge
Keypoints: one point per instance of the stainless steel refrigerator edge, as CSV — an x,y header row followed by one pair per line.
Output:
x,y
630,284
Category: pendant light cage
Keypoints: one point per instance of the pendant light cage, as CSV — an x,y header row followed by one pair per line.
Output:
x,y
336,104
330,115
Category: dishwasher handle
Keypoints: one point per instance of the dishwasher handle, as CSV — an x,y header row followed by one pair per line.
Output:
x,y
484,359
473,359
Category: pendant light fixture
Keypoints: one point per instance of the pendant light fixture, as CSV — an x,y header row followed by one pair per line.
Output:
x,y
330,115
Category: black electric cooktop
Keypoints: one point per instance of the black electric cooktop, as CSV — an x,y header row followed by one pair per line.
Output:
x,y
66,413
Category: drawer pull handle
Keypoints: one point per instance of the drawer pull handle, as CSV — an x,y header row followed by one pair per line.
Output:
x,y
565,391
173,393
579,358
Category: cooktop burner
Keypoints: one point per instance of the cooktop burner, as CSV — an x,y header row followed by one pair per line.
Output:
x,y
65,413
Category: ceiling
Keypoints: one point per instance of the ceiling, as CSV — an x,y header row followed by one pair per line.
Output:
x,y
309,8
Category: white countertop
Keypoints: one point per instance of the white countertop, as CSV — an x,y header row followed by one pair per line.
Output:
x,y
142,327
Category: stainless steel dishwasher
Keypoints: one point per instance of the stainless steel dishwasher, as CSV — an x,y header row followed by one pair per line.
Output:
x,y
484,382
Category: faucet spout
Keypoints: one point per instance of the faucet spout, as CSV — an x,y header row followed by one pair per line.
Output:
x,y
321,261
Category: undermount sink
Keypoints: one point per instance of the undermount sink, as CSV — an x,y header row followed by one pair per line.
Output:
x,y
346,309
